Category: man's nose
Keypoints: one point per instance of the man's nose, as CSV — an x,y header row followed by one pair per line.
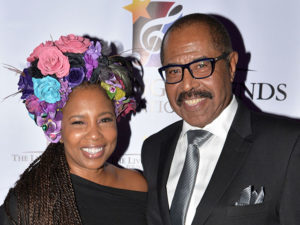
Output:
x,y
188,81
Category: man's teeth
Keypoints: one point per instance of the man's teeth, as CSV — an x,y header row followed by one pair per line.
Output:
x,y
192,102
92,150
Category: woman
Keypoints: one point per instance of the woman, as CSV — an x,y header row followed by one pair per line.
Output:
x,y
76,93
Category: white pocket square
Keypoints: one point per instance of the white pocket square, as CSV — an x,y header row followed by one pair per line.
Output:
x,y
249,196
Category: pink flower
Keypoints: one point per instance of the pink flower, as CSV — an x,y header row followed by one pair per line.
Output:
x,y
73,44
52,61
36,52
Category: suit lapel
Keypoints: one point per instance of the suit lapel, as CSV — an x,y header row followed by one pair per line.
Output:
x,y
234,152
166,156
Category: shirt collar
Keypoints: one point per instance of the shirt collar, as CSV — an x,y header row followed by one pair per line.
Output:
x,y
219,126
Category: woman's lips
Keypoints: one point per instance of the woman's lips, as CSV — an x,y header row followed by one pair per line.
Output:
x,y
93,152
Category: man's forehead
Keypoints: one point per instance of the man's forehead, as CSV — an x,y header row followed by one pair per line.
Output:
x,y
189,32
190,26
188,36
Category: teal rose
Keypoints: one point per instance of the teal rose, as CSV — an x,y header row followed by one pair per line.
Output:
x,y
46,89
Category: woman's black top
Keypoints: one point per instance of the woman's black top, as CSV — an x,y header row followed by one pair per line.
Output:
x,y
100,205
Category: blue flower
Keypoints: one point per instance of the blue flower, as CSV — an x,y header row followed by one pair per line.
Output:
x,y
46,89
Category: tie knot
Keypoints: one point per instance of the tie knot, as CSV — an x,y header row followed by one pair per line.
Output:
x,y
198,137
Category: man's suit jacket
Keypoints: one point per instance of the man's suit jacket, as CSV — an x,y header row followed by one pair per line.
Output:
x,y
260,150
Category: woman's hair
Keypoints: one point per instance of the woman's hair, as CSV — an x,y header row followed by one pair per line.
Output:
x,y
44,192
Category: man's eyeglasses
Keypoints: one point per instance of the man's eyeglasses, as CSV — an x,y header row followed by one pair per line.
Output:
x,y
199,69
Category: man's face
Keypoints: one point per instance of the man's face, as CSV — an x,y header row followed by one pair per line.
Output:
x,y
183,46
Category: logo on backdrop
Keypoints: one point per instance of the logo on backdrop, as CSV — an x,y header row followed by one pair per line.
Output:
x,y
25,157
261,91
131,161
150,22
127,160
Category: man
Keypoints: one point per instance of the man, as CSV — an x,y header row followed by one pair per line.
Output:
x,y
248,165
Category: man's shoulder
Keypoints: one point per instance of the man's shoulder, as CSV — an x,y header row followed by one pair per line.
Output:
x,y
158,142
263,119
166,131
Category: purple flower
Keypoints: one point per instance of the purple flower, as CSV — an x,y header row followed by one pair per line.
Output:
x,y
119,106
65,90
113,81
51,124
48,107
42,119
94,49
90,58
25,84
53,132
75,76
124,106
33,105
112,89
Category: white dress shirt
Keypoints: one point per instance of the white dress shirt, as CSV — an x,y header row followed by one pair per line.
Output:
x,y
209,155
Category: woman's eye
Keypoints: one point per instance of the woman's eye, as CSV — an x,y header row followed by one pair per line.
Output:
x,y
106,120
77,123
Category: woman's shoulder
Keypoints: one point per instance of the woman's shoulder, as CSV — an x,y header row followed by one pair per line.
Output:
x,y
5,217
131,179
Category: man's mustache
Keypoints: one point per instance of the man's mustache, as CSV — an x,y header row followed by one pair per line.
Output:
x,y
192,93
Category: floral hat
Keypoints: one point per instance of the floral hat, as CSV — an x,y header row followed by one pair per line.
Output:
x,y
56,67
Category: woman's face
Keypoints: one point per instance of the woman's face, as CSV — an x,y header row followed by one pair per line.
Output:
x,y
89,130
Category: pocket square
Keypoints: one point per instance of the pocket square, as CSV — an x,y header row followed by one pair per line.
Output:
x,y
249,196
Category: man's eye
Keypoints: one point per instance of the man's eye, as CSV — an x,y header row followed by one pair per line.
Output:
x,y
200,65
173,71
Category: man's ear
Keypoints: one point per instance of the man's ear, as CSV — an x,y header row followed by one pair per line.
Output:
x,y
233,59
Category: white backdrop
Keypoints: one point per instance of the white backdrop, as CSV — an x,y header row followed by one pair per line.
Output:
x,y
266,32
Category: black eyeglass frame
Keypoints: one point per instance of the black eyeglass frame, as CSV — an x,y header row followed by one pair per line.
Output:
x,y
187,66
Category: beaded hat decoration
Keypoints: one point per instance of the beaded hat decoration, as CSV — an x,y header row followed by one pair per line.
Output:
x,y
56,67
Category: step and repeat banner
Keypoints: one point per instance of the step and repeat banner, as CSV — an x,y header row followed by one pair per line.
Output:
x,y
265,33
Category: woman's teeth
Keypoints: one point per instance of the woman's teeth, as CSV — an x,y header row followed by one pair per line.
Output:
x,y
92,150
